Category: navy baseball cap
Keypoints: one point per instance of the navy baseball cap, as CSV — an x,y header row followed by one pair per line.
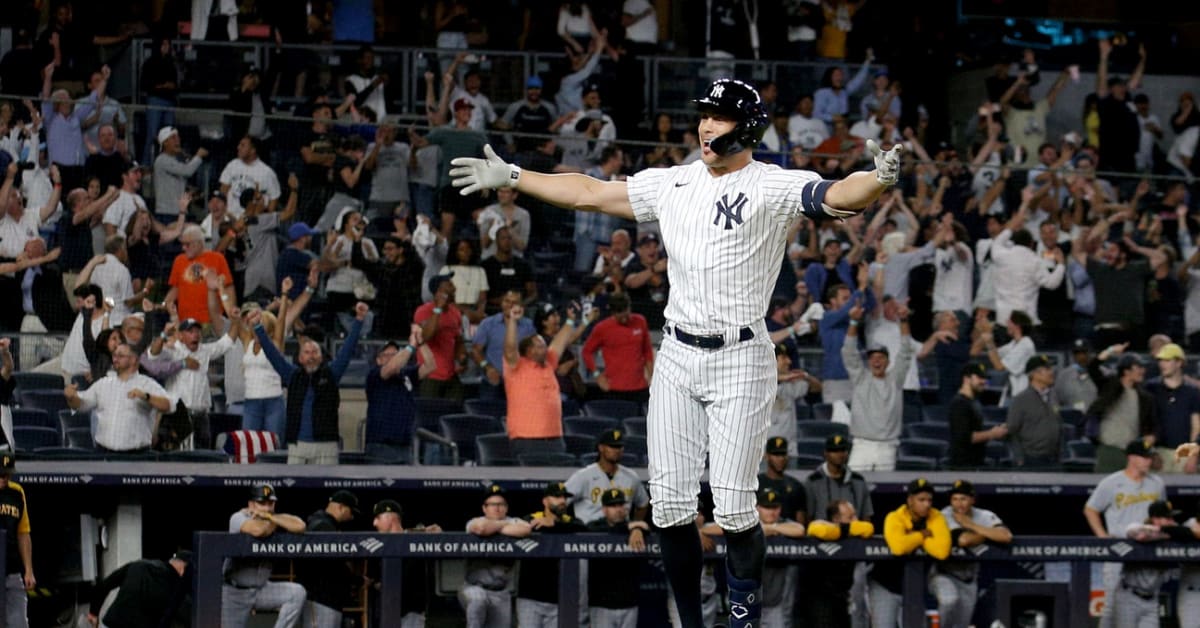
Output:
x,y
299,230
189,323
436,281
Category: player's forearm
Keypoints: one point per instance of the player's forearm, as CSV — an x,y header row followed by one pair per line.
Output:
x,y
856,191
25,549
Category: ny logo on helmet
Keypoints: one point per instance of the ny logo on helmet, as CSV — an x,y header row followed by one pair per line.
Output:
x,y
717,90
731,211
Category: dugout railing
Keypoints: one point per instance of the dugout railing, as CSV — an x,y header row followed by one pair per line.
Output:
x,y
212,548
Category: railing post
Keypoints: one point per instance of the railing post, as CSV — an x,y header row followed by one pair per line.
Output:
x,y
1080,592
207,578
390,590
568,592
913,613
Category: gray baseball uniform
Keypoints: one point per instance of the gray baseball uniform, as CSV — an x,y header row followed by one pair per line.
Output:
x,y
955,584
1122,501
247,587
486,595
589,483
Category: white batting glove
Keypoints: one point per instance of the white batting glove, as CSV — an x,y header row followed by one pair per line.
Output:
x,y
473,174
887,165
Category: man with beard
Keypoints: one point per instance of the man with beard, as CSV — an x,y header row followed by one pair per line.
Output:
x,y
968,439
313,397
537,589
190,384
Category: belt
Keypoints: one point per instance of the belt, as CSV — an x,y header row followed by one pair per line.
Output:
x,y
1145,595
706,342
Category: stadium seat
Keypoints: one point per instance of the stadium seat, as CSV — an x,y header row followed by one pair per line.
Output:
x,y
219,422
463,428
916,463
30,380
822,411
548,459
357,458
616,408
635,425
1081,448
811,447
493,450
804,411
30,437
993,414
35,417
580,444
49,399
934,431
821,429
1071,416
570,407
808,461
935,414
79,438
430,408
998,454
495,408
72,419
923,448
637,445
589,425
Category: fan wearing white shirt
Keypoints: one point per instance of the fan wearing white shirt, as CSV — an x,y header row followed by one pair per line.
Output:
x,y
247,171
1012,356
803,128
1019,272
190,384
126,404
18,224
955,268
109,271
128,202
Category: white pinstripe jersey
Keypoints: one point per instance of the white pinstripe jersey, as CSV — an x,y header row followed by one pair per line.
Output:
x,y
724,235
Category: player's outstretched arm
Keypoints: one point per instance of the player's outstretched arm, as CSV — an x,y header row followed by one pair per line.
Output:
x,y
571,191
859,189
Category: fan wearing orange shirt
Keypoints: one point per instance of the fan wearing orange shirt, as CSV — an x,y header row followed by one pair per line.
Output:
x,y
189,290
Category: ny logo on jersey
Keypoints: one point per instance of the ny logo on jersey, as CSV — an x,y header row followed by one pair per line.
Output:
x,y
717,90
731,211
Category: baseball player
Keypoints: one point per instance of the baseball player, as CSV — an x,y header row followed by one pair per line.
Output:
x,y
955,584
486,596
724,222
1122,498
1135,601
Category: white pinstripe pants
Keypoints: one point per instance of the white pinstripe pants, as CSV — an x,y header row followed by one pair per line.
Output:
x,y
717,402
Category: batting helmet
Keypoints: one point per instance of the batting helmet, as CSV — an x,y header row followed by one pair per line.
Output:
x,y
741,102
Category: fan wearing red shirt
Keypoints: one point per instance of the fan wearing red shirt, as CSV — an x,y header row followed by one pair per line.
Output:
x,y
624,340
441,329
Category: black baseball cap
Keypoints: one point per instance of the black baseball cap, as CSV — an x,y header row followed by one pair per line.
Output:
x,y
493,489
837,442
345,498
183,556
387,505
613,497
768,498
1036,362
611,438
962,487
557,489
920,485
189,323
1081,345
1140,447
8,462
1128,361
777,445
263,493
975,368
646,238
1163,508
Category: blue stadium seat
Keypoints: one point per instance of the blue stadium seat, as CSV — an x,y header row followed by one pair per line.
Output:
x,y
63,453
935,414
994,414
803,410
495,408
998,454
30,380
49,399
822,411
493,450
463,428
35,417
808,461
811,447
580,444
30,437
79,438
933,431
635,425
923,448
627,459
589,425
429,409
1071,416
615,408
821,429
